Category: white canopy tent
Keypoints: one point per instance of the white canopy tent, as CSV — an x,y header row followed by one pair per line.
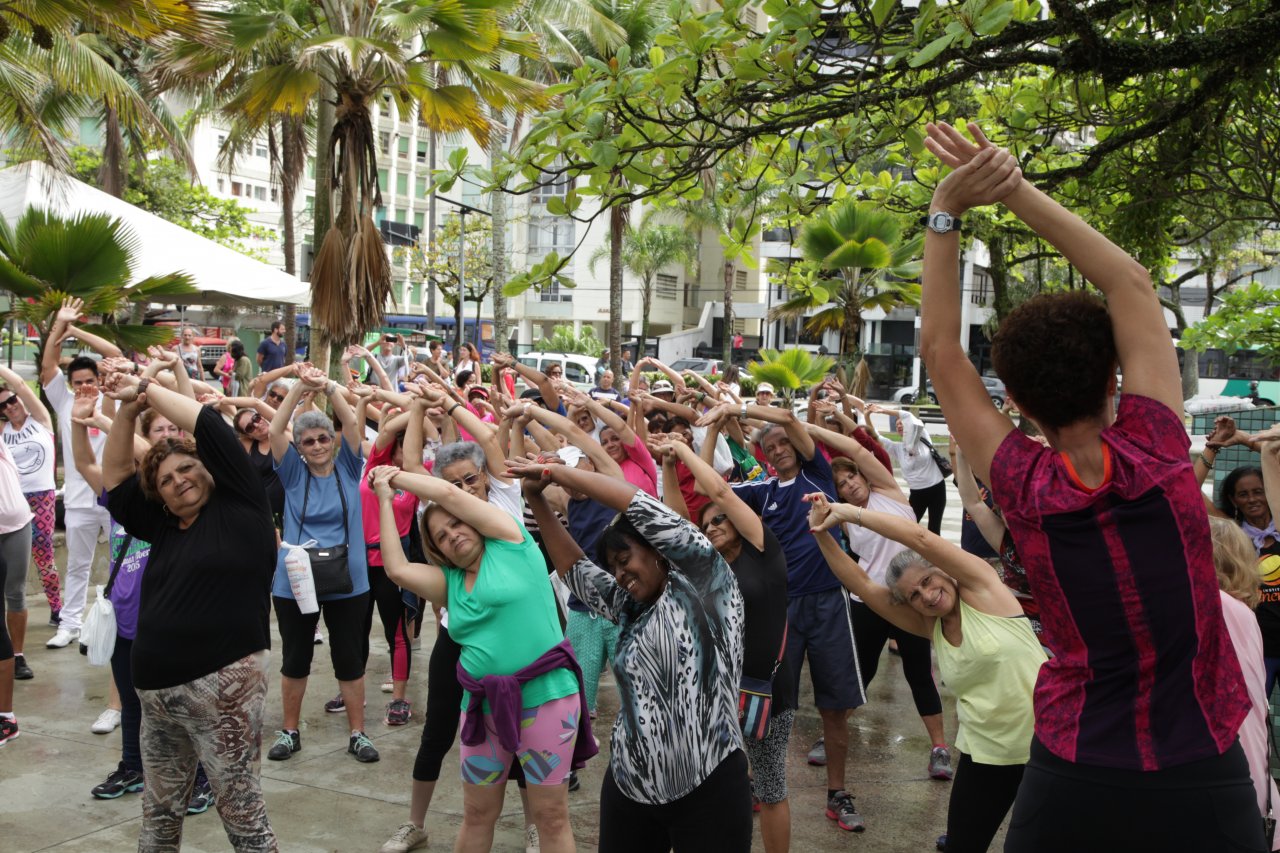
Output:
x,y
222,276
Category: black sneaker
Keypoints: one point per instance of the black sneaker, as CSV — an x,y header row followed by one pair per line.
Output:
x,y
120,782
22,672
287,743
8,729
201,798
55,618
574,782
362,748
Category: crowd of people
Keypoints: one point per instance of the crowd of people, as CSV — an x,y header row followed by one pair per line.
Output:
x,y
1097,630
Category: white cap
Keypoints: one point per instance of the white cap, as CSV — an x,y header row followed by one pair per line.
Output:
x,y
764,388
661,386
570,455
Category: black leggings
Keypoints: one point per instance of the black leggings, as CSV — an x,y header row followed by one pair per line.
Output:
x,y
130,705
872,632
933,499
444,711
716,815
388,597
981,795
1204,805
344,617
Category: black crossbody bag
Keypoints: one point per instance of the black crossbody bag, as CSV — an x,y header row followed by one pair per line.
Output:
x,y
329,569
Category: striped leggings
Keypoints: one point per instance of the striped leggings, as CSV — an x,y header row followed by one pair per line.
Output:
x,y
42,511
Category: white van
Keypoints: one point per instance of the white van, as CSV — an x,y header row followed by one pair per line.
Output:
x,y
578,369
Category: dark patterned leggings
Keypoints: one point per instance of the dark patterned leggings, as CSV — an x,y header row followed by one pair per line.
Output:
x,y
216,719
42,510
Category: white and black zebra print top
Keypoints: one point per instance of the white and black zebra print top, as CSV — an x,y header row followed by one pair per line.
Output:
x,y
678,663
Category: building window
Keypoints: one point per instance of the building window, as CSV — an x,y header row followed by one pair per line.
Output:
x,y
980,293
665,286
222,185
275,194
554,187
422,151
740,280
311,204
384,139
384,179
418,220
402,215
551,234
260,151
402,184
311,168
554,293
237,188
420,188
222,140
404,147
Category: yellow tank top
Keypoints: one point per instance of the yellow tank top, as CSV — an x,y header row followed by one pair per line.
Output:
x,y
992,674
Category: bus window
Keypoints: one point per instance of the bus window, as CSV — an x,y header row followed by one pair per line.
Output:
x,y
1213,364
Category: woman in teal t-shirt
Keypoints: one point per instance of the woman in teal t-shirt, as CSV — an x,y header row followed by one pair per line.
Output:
x,y
492,577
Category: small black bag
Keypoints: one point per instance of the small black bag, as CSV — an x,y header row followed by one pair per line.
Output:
x,y
329,569
943,463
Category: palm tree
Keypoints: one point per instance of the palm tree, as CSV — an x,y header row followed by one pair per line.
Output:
x,y
790,370
645,251
45,258
874,268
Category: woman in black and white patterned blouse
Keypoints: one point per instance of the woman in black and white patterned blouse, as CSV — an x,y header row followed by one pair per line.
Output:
x,y
677,771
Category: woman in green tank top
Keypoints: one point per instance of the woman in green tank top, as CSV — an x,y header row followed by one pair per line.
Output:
x,y
987,653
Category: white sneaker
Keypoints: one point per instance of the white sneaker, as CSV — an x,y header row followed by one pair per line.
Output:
x,y
388,686
319,638
106,723
62,638
531,842
407,837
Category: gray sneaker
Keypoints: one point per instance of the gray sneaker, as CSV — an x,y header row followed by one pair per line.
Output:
x,y
287,743
362,748
818,753
940,764
407,837
840,808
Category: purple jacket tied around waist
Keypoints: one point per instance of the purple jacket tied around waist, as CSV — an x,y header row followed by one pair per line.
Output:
x,y
505,703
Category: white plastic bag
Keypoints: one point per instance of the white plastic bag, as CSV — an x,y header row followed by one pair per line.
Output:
x,y
297,563
98,633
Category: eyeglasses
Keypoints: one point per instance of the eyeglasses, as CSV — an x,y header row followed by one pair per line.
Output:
x,y
467,481
279,398
714,521
321,439
8,401
252,422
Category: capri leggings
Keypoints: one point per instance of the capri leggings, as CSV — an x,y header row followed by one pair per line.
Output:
x,y
544,752
42,511
344,617
934,501
768,758
872,633
387,596
15,548
444,699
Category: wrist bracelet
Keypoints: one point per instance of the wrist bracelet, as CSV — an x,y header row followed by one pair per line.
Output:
x,y
742,415
330,387
142,385
859,521
451,408
1208,463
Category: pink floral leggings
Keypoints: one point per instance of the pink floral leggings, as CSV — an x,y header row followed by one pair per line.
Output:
x,y
42,510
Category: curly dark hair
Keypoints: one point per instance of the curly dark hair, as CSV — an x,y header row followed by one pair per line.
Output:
x,y
1056,355
160,451
1229,483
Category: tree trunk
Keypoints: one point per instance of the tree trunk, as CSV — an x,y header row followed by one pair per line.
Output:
x,y
998,269
111,173
613,339
498,221
291,154
321,342
726,343
1210,275
646,296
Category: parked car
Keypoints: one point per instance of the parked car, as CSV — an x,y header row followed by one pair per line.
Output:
x,y
212,345
704,366
578,369
995,390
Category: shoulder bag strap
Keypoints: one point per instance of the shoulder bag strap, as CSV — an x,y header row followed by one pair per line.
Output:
x,y
306,496
115,567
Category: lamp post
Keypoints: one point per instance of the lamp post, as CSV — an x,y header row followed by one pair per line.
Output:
x,y
463,210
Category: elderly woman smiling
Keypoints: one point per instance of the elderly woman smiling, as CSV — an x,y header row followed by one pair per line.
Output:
x,y
205,592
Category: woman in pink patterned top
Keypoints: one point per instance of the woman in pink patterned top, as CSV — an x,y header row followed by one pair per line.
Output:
x,y
1137,714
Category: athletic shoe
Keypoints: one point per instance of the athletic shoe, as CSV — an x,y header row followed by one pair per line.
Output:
x,y
62,638
118,783
416,644
22,672
8,729
108,721
388,686
398,712
287,743
362,748
941,844
940,764
818,753
840,809
574,782
531,842
55,618
407,837
336,705
318,639
201,799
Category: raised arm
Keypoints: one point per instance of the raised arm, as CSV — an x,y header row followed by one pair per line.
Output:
x,y
1270,440
280,439
795,429
744,518
29,399
425,580
670,473
262,381
990,525
602,461
488,520
66,315
86,461
877,476
874,595
533,376
101,346
117,456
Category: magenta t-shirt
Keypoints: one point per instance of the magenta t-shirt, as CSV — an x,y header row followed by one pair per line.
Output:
x,y
1144,676
638,468
405,504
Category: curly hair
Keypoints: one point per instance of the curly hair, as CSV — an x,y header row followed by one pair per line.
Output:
x,y
1229,483
160,451
1056,355
1235,561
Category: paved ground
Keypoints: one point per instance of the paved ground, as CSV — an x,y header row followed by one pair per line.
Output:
x,y
323,800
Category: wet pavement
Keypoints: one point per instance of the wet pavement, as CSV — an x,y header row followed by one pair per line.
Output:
x,y
323,800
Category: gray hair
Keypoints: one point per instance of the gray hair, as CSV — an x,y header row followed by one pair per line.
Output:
x,y
279,383
898,566
459,451
312,420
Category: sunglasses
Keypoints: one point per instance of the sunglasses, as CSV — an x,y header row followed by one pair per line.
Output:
x,y
252,422
714,521
314,440
8,401
273,395
469,480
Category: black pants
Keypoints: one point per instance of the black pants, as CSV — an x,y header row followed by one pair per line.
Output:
x,y
130,705
1206,805
444,704
872,632
933,499
389,599
716,815
344,617
981,795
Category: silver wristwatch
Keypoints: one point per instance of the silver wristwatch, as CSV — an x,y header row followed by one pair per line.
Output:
x,y
941,222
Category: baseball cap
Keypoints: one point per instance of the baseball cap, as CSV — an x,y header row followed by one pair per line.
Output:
x,y
570,455
764,387
660,386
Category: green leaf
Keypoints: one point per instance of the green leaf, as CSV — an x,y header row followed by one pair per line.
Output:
x,y
995,19
932,49
556,206
604,154
880,11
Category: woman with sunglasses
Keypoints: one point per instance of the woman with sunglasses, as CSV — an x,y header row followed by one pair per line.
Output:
x,y
677,772
253,426
757,561
321,473
28,436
